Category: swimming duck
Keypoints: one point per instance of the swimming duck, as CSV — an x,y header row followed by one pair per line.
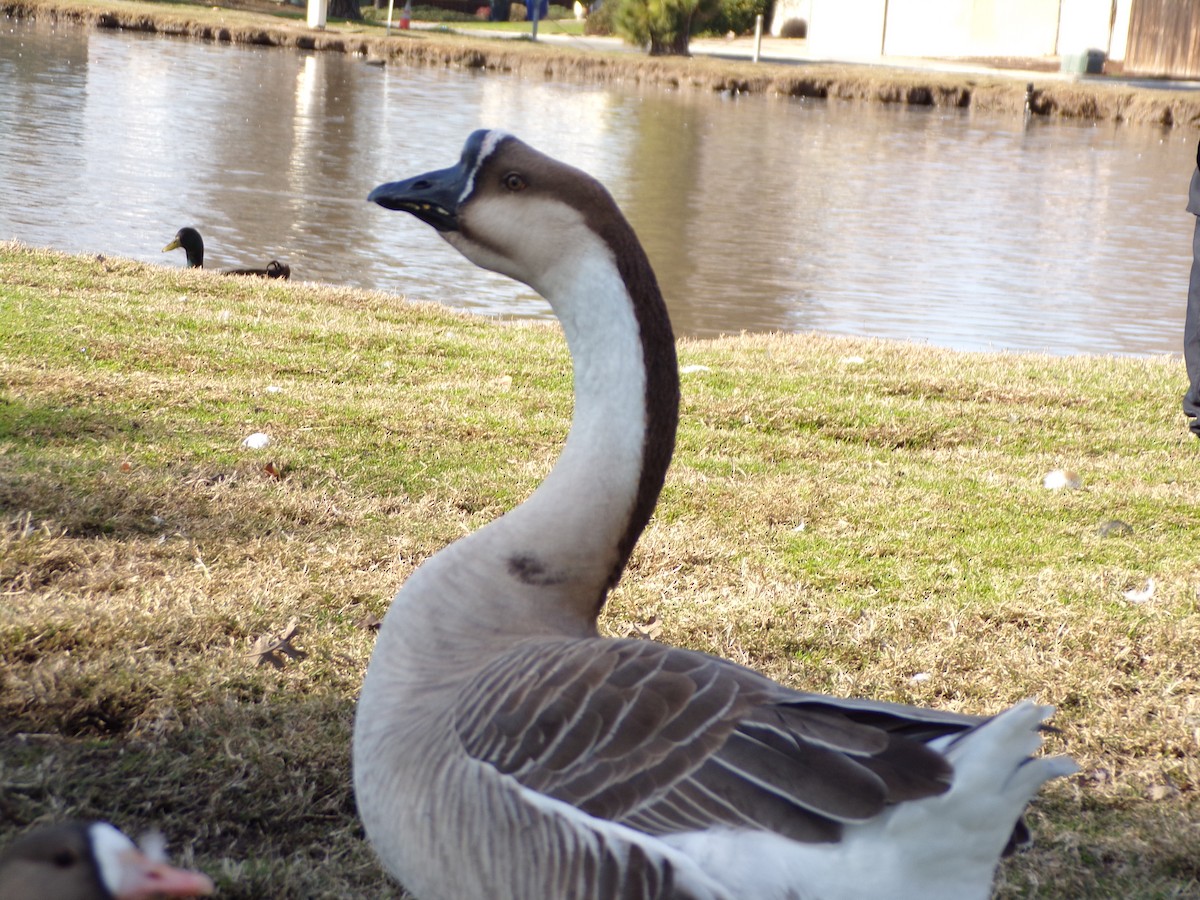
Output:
x,y
193,245
503,749
90,861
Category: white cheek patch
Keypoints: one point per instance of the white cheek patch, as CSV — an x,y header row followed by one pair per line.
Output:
x,y
490,141
520,236
108,846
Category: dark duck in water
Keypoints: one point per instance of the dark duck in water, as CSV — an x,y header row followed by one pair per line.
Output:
x,y
193,245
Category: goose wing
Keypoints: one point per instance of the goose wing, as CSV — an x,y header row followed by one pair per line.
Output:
x,y
668,740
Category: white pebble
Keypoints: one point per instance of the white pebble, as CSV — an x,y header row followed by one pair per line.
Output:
x,y
1062,478
1133,595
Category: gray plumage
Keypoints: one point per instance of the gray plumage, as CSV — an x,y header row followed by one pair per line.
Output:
x,y
503,749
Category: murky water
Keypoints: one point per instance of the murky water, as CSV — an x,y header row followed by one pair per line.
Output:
x,y
959,229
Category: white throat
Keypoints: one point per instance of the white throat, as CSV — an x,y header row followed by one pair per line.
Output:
x,y
583,506
571,526
108,847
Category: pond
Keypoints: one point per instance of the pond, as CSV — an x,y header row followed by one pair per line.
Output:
x,y
951,227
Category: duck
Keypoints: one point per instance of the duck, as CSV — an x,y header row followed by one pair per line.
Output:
x,y
503,748
90,861
193,245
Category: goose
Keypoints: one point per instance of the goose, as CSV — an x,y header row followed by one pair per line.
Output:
x,y
503,749
193,245
90,861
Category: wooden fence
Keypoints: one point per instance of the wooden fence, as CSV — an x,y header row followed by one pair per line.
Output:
x,y
1164,38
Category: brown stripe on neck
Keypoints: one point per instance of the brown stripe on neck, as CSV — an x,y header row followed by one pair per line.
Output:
x,y
568,185
662,380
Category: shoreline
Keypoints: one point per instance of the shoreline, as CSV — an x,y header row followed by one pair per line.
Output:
x,y
994,92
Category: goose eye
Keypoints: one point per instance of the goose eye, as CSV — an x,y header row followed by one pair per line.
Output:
x,y
514,182
63,859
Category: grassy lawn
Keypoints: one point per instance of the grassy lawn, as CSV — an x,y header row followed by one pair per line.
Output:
x,y
852,516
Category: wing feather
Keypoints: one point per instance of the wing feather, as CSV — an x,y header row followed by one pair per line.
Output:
x,y
668,740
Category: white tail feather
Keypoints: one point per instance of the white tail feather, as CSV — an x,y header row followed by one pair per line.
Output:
x,y
940,848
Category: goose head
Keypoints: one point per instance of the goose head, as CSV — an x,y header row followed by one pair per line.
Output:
x,y
90,861
514,210
193,245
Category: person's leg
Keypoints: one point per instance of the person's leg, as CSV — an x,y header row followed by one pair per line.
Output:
x,y
1191,325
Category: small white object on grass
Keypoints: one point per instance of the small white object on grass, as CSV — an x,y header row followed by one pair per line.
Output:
x,y
1134,595
256,441
1062,478
689,370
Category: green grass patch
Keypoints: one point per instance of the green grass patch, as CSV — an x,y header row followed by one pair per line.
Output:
x,y
842,514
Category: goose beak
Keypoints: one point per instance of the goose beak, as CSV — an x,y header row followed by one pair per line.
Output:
x,y
433,198
143,878
174,245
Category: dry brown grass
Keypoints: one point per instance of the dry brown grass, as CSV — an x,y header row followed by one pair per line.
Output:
x,y
842,514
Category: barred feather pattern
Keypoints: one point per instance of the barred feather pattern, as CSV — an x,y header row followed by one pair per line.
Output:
x,y
544,849
667,740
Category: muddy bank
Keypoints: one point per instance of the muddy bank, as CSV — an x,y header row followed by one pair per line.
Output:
x,y
1091,100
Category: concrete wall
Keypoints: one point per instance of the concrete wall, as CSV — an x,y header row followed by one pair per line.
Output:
x,y
1120,34
972,27
1094,25
846,29
851,29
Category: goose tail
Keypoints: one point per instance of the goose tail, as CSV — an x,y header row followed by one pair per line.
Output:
x,y
996,758
963,833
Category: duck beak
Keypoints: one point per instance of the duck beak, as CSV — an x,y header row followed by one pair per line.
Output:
x,y
433,198
143,878
174,245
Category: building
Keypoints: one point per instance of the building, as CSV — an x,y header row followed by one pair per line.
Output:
x,y
1149,37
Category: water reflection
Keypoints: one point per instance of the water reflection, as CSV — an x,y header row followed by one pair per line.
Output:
x,y
964,230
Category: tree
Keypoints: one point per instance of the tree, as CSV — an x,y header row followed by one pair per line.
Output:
x,y
664,25
345,9
737,16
